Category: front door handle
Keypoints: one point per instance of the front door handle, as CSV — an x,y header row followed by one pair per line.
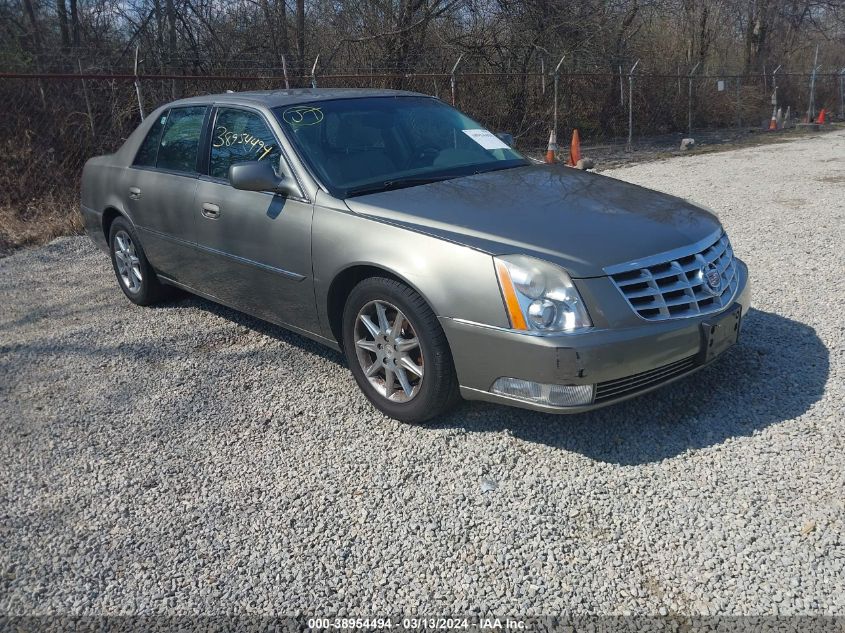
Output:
x,y
211,211
134,192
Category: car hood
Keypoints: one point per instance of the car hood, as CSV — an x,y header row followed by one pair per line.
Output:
x,y
579,220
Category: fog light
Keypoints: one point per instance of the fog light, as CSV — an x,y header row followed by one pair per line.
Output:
x,y
553,395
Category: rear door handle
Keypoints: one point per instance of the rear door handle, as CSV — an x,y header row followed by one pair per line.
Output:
x,y
134,193
211,211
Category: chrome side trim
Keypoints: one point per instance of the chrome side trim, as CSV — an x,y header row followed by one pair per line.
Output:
x,y
213,251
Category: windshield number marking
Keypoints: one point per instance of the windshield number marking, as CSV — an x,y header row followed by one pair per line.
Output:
x,y
225,138
302,115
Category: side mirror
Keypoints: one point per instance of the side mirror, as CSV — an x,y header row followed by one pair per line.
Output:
x,y
259,175
506,138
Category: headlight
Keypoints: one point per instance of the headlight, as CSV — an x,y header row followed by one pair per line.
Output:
x,y
539,296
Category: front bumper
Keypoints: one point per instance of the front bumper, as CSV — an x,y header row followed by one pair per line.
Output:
x,y
640,354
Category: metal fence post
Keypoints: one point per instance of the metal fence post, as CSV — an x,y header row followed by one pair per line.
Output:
x,y
621,88
314,72
629,147
689,99
811,109
285,72
842,93
453,79
87,102
775,84
138,86
543,74
557,81
739,101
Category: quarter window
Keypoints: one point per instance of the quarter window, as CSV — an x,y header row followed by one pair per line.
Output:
x,y
238,136
181,139
146,156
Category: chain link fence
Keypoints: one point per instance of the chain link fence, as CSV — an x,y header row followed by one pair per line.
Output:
x,y
54,123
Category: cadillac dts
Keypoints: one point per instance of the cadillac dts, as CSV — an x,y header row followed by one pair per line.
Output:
x,y
438,259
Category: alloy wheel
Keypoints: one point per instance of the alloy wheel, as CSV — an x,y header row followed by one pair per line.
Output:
x,y
389,351
127,261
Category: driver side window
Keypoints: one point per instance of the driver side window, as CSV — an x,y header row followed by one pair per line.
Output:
x,y
238,136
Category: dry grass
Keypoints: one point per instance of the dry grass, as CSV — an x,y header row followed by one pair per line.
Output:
x,y
39,193
39,221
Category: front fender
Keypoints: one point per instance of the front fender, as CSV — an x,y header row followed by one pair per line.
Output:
x,y
456,281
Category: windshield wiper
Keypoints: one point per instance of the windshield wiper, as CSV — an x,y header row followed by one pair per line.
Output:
x,y
397,183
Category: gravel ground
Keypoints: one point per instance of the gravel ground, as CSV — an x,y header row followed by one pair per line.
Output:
x,y
187,459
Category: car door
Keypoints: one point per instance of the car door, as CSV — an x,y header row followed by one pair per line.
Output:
x,y
256,246
161,184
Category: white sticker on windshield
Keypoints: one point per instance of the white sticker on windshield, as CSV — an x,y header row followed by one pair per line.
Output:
x,y
486,139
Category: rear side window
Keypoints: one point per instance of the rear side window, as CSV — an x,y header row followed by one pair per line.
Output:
x,y
181,139
238,136
146,156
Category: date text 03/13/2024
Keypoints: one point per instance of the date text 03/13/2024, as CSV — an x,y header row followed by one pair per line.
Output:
x,y
414,624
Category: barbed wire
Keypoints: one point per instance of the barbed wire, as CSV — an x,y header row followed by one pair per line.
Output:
x,y
384,73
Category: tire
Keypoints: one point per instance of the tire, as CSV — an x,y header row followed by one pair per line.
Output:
x,y
135,276
371,348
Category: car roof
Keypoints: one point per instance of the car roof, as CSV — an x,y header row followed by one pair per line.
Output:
x,y
274,98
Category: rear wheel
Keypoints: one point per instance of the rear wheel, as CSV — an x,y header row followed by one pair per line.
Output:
x,y
134,274
397,351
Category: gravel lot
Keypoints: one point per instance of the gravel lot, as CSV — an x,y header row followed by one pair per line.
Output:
x,y
187,459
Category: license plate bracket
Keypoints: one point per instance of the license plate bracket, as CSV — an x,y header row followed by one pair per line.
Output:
x,y
720,333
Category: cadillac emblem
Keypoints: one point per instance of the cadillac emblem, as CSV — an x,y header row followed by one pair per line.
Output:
x,y
711,279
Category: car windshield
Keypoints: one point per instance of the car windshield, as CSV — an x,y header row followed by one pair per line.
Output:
x,y
365,145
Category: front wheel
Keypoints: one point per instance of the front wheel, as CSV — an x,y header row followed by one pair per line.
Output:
x,y
397,351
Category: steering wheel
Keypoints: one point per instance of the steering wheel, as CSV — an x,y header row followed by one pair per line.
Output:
x,y
424,155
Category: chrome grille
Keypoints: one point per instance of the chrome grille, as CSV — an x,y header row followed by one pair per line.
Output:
x,y
675,286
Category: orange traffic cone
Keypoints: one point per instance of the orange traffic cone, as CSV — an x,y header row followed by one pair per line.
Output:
x,y
574,149
820,118
550,152
773,124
